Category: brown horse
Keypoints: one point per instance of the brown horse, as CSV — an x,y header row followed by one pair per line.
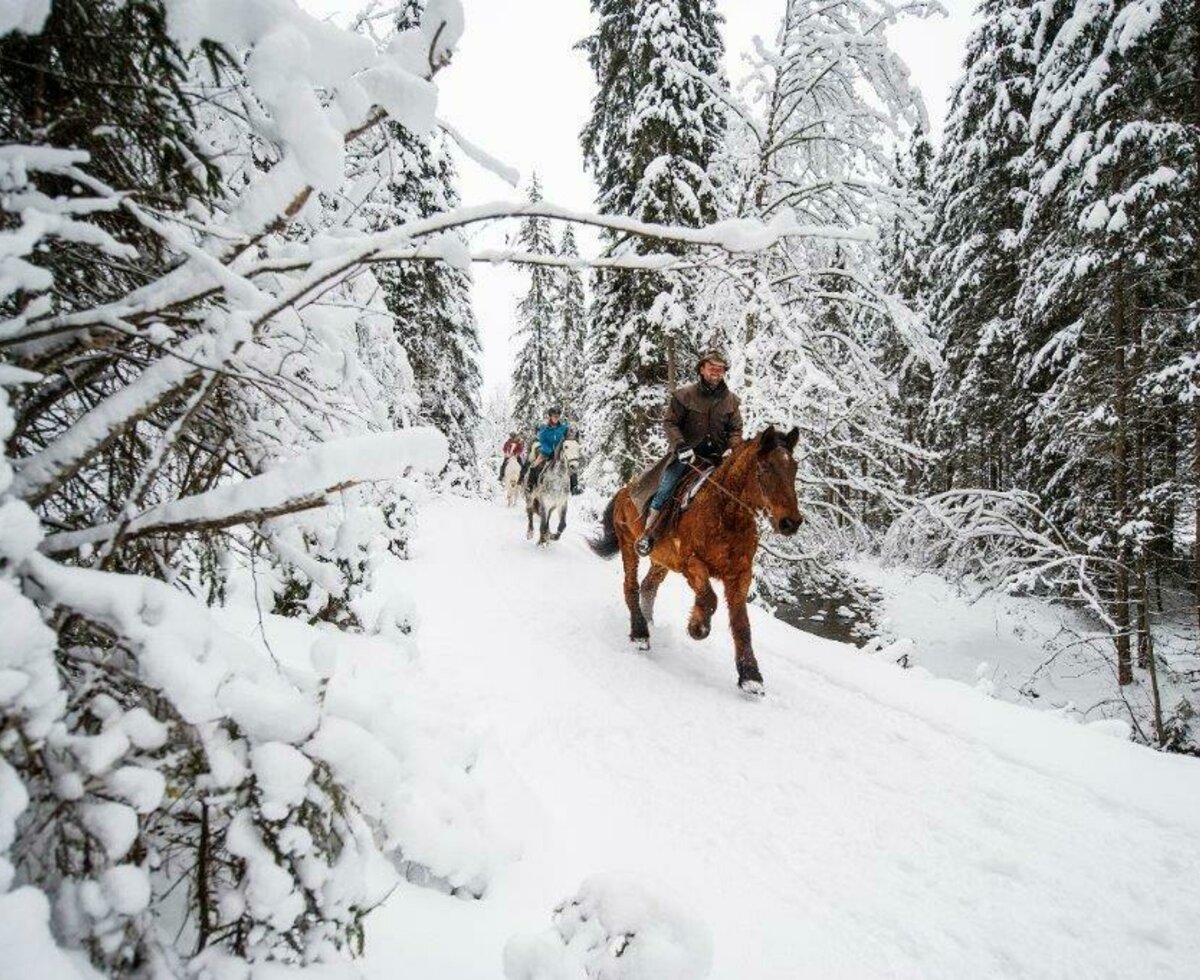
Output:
x,y
716,537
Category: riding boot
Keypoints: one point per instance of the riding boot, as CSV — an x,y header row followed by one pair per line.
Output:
x,y
645,544
575,483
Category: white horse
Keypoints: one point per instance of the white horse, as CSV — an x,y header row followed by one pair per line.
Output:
x,y
551,494
510,477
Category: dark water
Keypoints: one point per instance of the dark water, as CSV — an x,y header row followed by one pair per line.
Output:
x,y
841,616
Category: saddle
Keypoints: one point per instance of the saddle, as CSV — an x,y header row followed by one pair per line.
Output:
x,y
681,499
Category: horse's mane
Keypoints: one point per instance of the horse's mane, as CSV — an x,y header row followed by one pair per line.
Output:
x,y
730,467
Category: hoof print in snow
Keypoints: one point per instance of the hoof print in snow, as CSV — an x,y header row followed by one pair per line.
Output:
x,y
614,929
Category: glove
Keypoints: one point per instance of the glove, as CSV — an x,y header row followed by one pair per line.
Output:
x,y
685,454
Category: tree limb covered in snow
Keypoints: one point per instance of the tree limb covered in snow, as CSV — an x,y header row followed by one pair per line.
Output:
x,y
296,485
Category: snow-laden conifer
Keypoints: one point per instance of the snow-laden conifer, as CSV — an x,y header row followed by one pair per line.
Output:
x,y
974,262
572,313
656,126
1108,290
536,369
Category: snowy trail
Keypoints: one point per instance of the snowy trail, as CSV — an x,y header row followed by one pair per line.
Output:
x,y
863,821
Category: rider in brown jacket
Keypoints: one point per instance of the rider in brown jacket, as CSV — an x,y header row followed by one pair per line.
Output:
x,y
703,420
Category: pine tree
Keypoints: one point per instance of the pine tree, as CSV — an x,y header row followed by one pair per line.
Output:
x,y
906,262
1110,228
536,373
977,209
431,301
572,315
655,129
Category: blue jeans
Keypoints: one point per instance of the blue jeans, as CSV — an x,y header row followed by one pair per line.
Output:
x,y
670,478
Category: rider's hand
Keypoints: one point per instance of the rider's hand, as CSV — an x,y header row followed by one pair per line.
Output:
x,y
685,454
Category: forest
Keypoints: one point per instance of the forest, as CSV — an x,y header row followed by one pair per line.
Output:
x,y
239,356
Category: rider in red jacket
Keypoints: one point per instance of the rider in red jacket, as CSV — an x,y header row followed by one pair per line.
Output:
x,y
513,446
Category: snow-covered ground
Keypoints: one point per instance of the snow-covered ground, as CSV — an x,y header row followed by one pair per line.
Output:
x,y
862,821
1022,649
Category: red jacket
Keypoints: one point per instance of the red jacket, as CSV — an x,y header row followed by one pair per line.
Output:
x,y
513,447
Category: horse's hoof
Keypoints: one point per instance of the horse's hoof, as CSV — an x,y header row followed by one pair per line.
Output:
x,y
641,643
699,631
753,690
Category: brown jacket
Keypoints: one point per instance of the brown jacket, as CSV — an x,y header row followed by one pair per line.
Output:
x,y
694,416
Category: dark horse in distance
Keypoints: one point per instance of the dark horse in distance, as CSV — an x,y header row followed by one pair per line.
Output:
x,y
716,537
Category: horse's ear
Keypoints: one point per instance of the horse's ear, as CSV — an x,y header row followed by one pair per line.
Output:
x,y
790,440
768,441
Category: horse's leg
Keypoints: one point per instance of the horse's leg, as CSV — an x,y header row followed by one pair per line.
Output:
x,y
700,621
544,536
639,632
530,507
649,589
562,520
749,678
627,527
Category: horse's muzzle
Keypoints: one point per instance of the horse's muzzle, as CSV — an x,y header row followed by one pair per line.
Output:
x,y
790,525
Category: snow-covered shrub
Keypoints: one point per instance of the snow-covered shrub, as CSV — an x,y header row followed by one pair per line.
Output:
x,y
196,361
613,929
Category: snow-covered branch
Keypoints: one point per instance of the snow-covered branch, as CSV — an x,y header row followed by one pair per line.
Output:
x,y
292,486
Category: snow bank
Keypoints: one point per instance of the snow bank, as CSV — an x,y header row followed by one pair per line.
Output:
x,y
614,929
28,948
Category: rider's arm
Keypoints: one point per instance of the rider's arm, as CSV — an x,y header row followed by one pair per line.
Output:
x,y
734,426
673,423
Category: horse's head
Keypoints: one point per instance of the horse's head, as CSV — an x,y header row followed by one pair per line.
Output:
x,y
776,472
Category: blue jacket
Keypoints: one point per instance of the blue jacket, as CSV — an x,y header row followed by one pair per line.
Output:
x,y
549,437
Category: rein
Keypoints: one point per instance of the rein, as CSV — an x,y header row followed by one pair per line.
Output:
x,y
712,481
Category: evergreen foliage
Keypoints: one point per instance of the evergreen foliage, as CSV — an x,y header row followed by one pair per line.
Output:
x,y
1065,295
974,419
572,313
537,370
656,127
430,302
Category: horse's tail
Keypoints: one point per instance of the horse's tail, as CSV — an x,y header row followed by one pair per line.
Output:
x,y
606,545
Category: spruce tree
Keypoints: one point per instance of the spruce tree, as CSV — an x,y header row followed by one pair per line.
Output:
x,y
572,315
655,129
431,301
906,262
1109,235
536,371
977,214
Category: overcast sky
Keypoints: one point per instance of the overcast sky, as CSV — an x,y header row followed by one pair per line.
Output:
x,y
519,89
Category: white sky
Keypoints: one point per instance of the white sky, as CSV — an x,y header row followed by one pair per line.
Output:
x,y
518,89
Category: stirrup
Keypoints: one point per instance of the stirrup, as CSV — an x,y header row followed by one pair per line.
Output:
x,y
645,545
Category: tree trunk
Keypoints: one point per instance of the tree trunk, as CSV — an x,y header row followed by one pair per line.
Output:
x,y
1120,487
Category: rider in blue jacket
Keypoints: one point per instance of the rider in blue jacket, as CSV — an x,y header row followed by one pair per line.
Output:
x,y
549,438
